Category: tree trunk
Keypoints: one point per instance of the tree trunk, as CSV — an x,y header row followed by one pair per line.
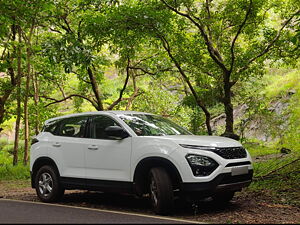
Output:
x,y
95,89
36,102
207,119
17,129
134,94
26,122
18,120
1,114
229,132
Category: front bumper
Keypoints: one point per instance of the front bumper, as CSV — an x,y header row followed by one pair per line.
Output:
x,y
221,183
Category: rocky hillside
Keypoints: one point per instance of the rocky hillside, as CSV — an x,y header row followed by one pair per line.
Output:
x,y
272,114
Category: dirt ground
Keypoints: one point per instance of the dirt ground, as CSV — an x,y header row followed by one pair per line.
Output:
x,y
248,208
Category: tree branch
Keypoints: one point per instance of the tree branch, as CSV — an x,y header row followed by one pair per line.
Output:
x,y
268,47
64,99
208,16
123,89
135,94
144,59
67,23
186,79
142,69
276,170
237,35
214,53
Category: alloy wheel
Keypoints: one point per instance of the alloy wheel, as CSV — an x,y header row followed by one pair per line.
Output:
x,y
45,184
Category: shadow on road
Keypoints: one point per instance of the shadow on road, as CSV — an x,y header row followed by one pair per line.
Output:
x,y
122,202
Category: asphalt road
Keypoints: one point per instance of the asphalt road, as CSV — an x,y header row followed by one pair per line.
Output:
x,y
12,211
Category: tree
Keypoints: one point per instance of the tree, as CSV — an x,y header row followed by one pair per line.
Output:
x,y
229,32
70,46
17,14
148,25
9,78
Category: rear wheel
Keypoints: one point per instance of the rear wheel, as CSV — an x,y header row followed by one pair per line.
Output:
x,y
161,191
47,184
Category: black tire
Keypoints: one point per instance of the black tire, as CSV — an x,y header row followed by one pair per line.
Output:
x,y
223,198
47,185
161,191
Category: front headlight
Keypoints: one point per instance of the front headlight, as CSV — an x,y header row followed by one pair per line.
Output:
x,y
199,160
201,165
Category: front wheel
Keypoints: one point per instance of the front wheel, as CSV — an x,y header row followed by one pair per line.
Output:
x,y
47,184
161,191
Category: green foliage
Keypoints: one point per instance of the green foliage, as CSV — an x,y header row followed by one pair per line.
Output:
x,y
280,84
7,170
286,88
10,172
157,94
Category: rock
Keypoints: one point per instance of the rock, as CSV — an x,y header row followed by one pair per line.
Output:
x,y
285,150
291,92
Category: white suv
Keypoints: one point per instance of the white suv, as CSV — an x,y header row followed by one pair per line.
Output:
x,y
134,152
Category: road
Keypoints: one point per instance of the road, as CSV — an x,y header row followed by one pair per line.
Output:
x,y
12,211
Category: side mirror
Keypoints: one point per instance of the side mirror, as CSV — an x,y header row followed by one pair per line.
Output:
x,y
116,132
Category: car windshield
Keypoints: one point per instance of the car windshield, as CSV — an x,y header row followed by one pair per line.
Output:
x,y
152,125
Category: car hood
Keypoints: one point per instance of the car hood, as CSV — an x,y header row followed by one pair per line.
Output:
x,y
211,141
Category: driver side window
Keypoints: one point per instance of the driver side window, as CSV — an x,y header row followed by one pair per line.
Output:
x,y
98,126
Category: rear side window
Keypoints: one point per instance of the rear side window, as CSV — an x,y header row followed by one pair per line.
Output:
x,y
73,127
51,127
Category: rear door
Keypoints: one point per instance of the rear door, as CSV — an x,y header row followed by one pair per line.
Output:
x,y
68,147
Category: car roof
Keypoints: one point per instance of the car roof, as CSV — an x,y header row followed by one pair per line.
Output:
x,y
111,112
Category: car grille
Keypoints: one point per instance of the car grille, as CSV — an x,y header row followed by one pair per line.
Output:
x,y
231,152
228,179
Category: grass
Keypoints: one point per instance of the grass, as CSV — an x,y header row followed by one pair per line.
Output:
x,y
283,185
280,84
276,175
287,88
7,170
10,172
257,149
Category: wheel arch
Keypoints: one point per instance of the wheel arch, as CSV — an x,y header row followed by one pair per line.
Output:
x,y
142,170
42,161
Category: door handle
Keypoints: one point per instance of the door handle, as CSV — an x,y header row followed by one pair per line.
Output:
x,y
93,147
56,144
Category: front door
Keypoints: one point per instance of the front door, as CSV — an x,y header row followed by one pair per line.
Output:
x,y
107,159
